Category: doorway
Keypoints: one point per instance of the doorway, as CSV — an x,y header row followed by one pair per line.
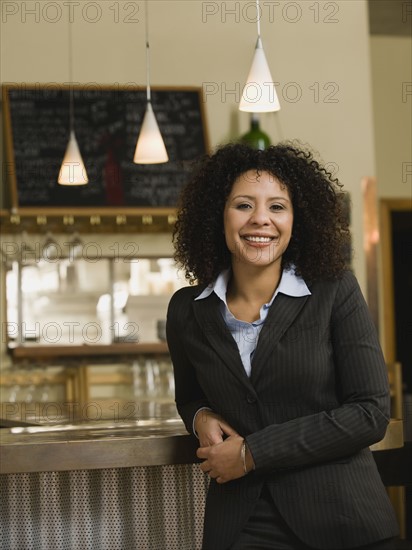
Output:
x,y
396,239
396,247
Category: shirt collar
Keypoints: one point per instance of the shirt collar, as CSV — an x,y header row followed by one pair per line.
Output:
x,y
290,284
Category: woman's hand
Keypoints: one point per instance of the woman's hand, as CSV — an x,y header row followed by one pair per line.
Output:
x,y
210,428
223,461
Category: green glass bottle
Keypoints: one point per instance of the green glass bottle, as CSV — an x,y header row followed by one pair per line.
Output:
x,y
255,137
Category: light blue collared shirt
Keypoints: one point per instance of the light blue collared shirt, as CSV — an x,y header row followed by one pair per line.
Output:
x,y
246,334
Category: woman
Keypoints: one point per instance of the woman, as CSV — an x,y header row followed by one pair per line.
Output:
x,y
278,369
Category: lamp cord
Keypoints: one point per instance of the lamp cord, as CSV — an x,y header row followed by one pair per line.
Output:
x,y
147,51
71,92
258,17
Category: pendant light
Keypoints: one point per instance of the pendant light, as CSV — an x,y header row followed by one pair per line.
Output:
x,y
150,147
72,171
259,94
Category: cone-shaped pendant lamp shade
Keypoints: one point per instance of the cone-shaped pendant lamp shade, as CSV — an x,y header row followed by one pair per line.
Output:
x,y
259,94
150,148
73,171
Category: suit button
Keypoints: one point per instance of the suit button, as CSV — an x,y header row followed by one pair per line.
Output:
x,y
250,398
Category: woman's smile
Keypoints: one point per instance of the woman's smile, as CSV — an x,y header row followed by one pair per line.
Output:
x,y
259,240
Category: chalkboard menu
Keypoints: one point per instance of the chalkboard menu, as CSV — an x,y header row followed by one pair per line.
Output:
x,y
107,123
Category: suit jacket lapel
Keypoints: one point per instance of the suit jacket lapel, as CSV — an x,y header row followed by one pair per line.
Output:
x,y
282,313
211,322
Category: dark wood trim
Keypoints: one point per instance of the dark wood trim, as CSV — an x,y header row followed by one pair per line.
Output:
x,y
52,352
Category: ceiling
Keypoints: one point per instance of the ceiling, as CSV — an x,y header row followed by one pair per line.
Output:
x,y
391,17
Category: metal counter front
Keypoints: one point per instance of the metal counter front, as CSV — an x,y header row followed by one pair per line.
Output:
x,y
96,445
130,486
110,486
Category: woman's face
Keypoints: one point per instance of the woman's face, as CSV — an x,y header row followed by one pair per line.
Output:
x,y
258,219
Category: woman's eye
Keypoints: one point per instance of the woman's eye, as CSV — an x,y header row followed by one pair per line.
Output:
x,y
276,207
243,206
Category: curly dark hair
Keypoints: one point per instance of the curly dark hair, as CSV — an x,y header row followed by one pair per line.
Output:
x,y
320,238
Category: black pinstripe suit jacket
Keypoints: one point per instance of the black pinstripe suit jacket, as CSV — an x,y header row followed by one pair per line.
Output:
x,y
316,399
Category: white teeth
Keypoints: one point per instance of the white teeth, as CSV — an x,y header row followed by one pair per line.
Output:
x,y
259,239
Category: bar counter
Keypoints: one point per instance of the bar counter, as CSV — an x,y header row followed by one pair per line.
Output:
x,y
122,485
109,444
105,444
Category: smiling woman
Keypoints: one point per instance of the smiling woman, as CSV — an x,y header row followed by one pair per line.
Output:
x,y
258,219
319,243
277,365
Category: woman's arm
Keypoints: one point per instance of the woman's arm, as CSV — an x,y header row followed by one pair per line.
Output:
x,y
191,402
189,395
362,388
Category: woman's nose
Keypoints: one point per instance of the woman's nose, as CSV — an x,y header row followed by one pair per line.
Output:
x,y
260,215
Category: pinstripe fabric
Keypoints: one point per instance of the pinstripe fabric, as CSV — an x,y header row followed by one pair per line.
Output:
x,y
316,399
267,530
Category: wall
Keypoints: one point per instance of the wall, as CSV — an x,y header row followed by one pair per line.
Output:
x,y
391,70
318,52
391,65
